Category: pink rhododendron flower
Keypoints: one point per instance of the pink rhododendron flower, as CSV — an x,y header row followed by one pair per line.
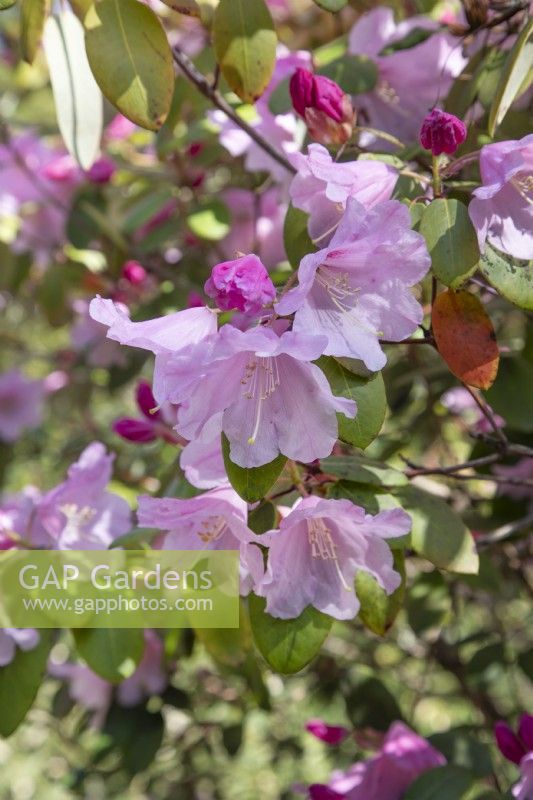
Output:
x,y
514,746
89,338
155,423
162,336
322,187
458,400
522,469
403,757
11,638
356,290
18,522
284,131
320,546
502,208
242,284
327,111
331,734
119,128
274,401
442,132
21,404
215,520
102,170
409,81
85,687
524,788
256,224
80,514
202,460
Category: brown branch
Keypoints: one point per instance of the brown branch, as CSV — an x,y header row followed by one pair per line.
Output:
x,y
505,531
212,94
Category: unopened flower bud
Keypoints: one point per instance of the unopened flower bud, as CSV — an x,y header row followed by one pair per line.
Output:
x,y
326,109
134,273
146,401
525,730
243,284
135,430
331,734
508,743
442,132
101,171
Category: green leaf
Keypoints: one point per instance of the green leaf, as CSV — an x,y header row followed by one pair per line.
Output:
x,y
451,240
228,646
368,393
379,609
262,518
512,278
465,87
438,533
489,76
464,750
211,221
78,100
137,734
442,783
280,101
5,4
354,74
411,39
296,238
332,5
363,470
188,7
371,705
251,484
511,395
245,46
113,653
131,60
428,604
516,77
20,681
288,645
33,14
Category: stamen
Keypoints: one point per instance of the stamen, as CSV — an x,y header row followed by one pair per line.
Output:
x,y
342,295
261,376
76,517
323,546
212,529
524,186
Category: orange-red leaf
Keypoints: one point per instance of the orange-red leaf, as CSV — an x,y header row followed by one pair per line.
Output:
x,y
465,338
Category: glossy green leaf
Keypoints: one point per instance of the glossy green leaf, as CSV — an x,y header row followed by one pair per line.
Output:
x,y
113,653
211,221
512,278
262,518
451,240
251,484
354,74
244,40
368,393
288,645
137,734
443,783
78,100
379,609
33,14
131,60
438,533
20,681
332,5
363,470
516,77
296,237
511,395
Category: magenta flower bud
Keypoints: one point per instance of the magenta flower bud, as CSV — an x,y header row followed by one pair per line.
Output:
x,y
101,171
327,110
134,273
508,743
525,730
318,791
242,284
331,734
442,132
195,300
146,401
135,430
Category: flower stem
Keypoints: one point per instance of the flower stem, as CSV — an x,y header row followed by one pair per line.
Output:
x,y
437,183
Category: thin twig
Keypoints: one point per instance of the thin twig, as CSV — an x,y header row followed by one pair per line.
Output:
x,y
505,531
212,94
486,410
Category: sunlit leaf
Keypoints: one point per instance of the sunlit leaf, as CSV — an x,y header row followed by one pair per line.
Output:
x,y
113,653
516,77
379,609
33,14
20,681
512,278
251,484
296,237
451,240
